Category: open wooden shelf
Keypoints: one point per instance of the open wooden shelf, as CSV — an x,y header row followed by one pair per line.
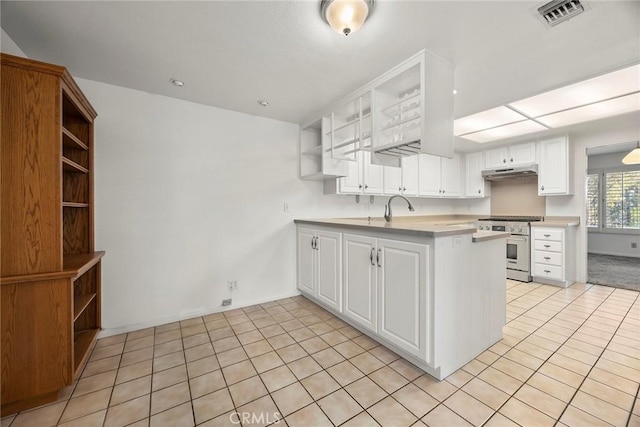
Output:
x,y
82,340
74,205
69,140
81,263
71,166
80,303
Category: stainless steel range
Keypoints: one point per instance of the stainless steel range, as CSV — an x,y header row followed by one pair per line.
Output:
x,y
518,244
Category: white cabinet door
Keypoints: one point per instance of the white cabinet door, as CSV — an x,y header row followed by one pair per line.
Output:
x,y
373,175
522,154
306,260
553,172
450,176
352,183
494,159
392,180
429,175
360,268
474,182
328,271
410,175
402,299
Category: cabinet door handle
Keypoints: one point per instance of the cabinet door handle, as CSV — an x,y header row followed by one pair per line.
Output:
x,y
479,191
399,188
366,186
360,186
378,258
512,160
313,242
404,188
371,256
542,187
504,160
547,246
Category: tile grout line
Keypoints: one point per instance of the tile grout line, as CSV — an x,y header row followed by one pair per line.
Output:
x,y
512,395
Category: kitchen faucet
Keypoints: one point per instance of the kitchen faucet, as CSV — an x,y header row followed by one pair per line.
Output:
x,y
387,207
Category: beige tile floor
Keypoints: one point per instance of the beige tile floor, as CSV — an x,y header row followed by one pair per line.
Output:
x,y
568,357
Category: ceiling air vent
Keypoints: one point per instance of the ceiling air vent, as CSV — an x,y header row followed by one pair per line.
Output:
x,y
558,11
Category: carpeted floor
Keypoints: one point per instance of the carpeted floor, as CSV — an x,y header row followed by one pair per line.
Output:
x,y
618,271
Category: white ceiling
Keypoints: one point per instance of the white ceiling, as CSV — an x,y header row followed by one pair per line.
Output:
x,y
232,53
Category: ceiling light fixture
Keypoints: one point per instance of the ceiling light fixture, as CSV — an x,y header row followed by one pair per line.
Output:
x,y
607,95
346,16
633,158
176,82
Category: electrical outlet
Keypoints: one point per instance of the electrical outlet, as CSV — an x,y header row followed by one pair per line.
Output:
x,y
634,245
285,207
226,302
232,284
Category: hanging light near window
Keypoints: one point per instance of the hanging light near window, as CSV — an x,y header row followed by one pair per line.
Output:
x,y
346,16
633,158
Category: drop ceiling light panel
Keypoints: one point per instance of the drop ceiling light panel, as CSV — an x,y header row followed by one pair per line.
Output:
x,y
487,119
599,110
617,83
506,131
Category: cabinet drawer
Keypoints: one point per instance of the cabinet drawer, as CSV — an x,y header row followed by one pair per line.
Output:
x,y
547,245
550,258
549,271
547,234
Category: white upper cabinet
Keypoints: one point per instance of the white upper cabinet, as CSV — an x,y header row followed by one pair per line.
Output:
x,y
554,171
392,180
410,175
475,184
413,109
439,176
515,155
362,177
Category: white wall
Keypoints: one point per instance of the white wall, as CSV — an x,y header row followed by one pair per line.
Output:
x,y
618,243
7,45
602,132
190,196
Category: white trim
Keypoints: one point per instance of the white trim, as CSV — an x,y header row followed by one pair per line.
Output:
x,y
175,318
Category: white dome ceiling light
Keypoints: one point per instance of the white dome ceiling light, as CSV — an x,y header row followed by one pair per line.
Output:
x,y
346,16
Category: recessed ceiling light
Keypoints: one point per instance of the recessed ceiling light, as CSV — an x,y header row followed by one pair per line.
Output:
x,y
176,82
598,110
487,119
506,131
610,85
262,103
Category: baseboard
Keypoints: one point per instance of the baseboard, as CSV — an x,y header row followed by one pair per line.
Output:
x,y
626,255
107,332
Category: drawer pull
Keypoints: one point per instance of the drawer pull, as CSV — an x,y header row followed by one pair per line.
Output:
x,y
547,271
547,258
547,246
547,235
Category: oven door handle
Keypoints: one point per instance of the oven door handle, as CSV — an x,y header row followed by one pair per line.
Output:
x,y
517,239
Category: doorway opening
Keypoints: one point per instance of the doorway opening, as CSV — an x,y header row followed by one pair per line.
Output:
x,y
613,217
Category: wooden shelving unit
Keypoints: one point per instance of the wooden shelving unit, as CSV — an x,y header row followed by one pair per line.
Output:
x,y
51,280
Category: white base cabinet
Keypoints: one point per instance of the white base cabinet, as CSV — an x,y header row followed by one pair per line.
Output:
x,y
553,256
437,301
319,265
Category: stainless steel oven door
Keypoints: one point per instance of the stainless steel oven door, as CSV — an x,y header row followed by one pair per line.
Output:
x,y
518,253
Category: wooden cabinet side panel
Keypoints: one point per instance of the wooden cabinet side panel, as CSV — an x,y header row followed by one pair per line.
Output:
x,y
36,339
30,173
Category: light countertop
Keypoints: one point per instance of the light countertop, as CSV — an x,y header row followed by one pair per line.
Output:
x,y
436,226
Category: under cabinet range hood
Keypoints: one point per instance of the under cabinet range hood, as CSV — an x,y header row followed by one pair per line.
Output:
x,y
514,172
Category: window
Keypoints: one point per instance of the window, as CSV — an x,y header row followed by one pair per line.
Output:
x,y
621,200
593,200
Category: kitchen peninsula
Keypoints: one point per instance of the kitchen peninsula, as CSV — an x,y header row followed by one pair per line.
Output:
x,y
430,288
